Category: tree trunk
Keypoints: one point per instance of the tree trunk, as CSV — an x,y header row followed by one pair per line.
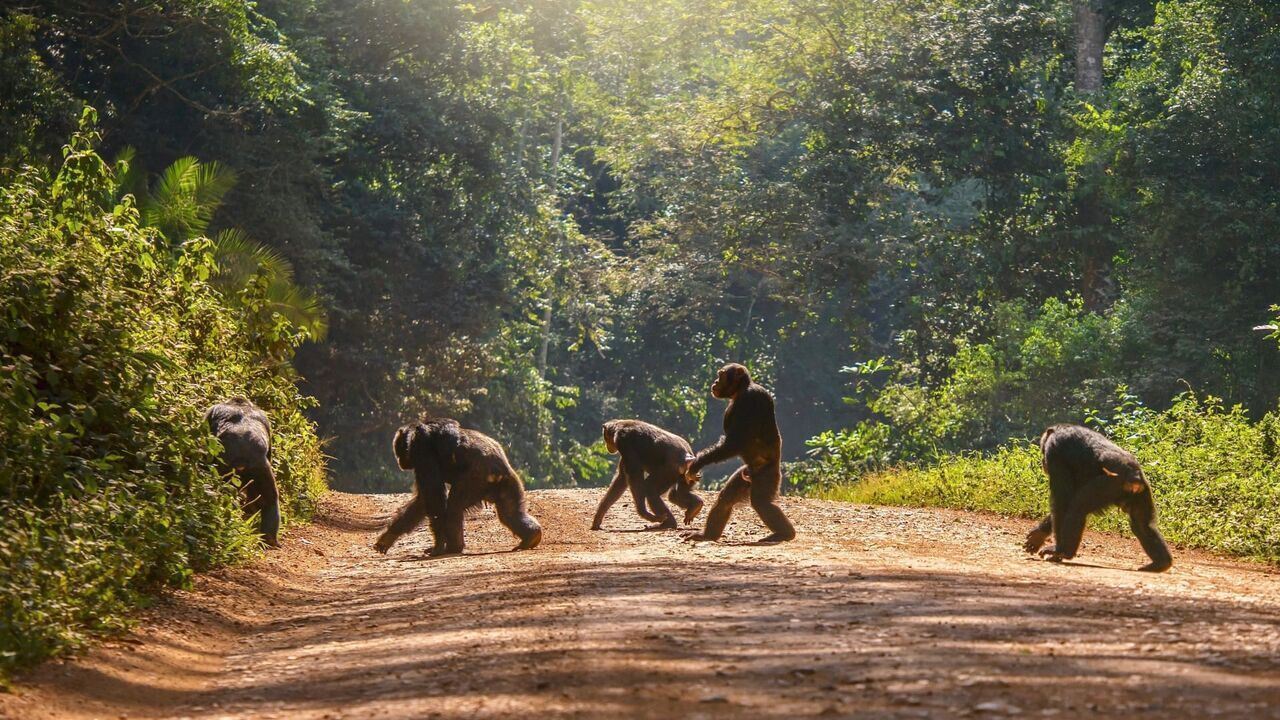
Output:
x,y
1096,253
555,182
1090,39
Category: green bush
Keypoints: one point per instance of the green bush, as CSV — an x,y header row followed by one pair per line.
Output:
x,y
112,343
1215,474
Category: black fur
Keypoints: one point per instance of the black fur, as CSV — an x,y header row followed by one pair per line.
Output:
x,y
456,470
651,462
245,434
1087,474
751,434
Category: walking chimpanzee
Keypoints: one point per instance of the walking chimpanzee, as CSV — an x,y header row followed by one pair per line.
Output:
x,y
455,470
750,433
1087,474
651,462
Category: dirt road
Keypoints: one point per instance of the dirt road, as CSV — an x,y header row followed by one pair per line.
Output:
x,y
872,613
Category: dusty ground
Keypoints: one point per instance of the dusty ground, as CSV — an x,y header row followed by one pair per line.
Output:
x,y
873,612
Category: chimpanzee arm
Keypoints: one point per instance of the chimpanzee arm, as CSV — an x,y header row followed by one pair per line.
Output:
x,y
644,505
634,470
1068,523
429,501
1142,520
724,449
737,432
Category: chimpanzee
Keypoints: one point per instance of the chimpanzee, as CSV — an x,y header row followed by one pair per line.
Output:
x,y
664,457
1088,473
475,470
245,434
750,433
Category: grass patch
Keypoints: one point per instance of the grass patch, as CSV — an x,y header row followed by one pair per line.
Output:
x,y
1215,475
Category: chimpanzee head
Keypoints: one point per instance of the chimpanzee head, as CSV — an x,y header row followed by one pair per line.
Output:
x,y
440,437
731,380
610,439
1125,468
405,437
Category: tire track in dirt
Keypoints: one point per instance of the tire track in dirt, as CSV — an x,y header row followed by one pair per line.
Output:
x,y
872,613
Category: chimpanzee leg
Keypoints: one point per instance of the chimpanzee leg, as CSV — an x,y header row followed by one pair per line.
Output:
x,y
1038,535
639,485
765,484
513,512
467,492
616,488
263,497
1142,520
667,521
737,490
683,497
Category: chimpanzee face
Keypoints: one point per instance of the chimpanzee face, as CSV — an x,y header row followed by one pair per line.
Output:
x,y
731,380
610,432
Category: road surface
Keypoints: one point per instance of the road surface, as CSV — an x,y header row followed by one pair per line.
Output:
x,y
872,613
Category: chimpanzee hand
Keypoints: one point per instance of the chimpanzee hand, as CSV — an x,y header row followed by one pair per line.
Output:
x,y
382,545
692,478
1051,554
1035,539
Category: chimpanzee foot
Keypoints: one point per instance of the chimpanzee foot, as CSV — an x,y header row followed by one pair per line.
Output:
x,y
692,513
530,542
778,537
1154,567
700,537
1051,554
668,524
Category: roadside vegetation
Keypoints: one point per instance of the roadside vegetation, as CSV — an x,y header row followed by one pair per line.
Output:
x,y
113,341
1214,473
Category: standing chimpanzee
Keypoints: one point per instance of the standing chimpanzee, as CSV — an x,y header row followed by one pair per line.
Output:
x,y
475,470
245,434
664,457
750,433
1088,473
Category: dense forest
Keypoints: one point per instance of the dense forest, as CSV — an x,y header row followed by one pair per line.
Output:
x,y
535,216
929,226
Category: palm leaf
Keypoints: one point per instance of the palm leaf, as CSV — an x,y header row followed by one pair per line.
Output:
x,y
303,308
169,206
130,179
240,260
212,182
185,197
